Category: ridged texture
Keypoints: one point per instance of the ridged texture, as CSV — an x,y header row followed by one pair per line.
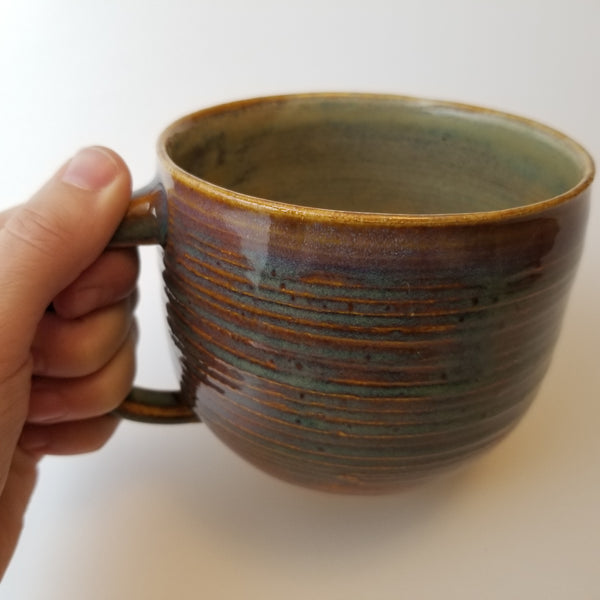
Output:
x,y
363,358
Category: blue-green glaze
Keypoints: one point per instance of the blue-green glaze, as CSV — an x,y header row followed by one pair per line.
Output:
x,y
363,350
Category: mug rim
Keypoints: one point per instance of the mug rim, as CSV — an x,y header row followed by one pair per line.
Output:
x,y
266,205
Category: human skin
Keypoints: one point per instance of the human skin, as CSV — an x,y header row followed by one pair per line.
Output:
x,y
67,330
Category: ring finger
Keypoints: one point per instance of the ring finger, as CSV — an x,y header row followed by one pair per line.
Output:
x,y
57,400
68,348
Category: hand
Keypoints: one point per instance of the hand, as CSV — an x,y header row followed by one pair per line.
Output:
x,y
67,334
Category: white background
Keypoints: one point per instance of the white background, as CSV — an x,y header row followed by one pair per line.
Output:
x,y
169,512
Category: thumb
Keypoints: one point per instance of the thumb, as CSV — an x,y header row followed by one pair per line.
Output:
x,y
46,244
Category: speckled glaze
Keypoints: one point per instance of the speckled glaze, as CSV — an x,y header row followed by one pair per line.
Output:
x,y
363,290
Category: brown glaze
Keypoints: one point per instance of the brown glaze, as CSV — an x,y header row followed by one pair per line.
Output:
x,y
365,350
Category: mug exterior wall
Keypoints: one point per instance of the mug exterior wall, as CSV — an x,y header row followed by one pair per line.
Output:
x,y
360,356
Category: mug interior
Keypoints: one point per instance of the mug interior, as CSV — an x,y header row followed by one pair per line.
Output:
x,y
378,154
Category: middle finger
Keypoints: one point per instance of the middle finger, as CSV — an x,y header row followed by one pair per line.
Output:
x,y
78,347
54,400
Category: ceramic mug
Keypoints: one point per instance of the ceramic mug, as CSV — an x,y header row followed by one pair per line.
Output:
x,y
363,290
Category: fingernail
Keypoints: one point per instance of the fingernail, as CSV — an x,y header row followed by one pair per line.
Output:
x,y
39,361
34,438
91,169
46,407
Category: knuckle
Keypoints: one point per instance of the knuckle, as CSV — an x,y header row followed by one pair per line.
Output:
x,y
104,339
82,346
36,229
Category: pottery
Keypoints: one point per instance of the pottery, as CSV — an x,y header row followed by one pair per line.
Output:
x,y
363,290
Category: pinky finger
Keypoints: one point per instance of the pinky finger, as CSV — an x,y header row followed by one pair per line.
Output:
x,y
70,437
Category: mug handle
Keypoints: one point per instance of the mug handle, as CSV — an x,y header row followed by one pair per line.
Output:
x,y
145,224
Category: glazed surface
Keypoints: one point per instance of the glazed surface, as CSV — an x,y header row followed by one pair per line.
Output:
x,y
362,358
375,154
365,290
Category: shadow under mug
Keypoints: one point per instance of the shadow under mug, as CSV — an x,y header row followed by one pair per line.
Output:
x,y
363,290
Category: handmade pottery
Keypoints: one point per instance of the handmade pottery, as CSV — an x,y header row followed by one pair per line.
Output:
x,y
363,290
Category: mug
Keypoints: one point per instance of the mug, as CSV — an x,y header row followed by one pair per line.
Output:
x,y
363,290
